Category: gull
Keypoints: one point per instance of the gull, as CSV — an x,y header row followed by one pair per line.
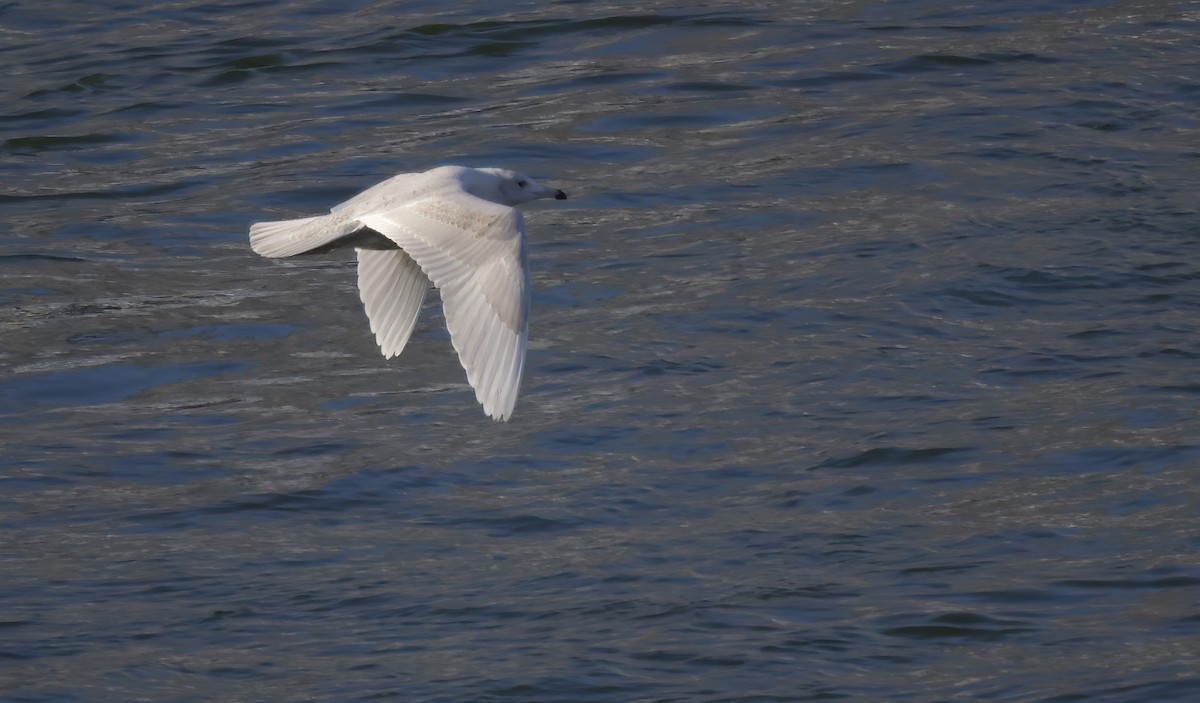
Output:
x,y
453,226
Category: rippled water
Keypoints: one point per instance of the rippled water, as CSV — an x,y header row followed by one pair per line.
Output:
x,y
864,356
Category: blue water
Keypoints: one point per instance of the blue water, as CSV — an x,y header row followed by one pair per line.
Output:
x,y
862,368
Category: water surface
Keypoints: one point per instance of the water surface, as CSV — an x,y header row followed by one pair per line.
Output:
x,y
863,356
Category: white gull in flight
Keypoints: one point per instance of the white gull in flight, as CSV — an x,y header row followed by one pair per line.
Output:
x,y
457,227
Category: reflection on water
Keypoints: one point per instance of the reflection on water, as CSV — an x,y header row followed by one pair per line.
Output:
x,y
861,368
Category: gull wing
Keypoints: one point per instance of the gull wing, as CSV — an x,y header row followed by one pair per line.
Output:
x,y
392,288
474,252
396,187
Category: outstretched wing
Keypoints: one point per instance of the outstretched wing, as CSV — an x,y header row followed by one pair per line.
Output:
x,y
392,289
474,252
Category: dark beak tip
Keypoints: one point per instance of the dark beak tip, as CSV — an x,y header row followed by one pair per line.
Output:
x,y
560,195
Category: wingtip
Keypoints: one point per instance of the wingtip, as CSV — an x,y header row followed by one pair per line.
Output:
x,y
498,414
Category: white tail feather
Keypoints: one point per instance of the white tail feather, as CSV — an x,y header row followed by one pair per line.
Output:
x,y
291,237
283,237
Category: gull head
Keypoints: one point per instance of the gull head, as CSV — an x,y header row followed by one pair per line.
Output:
x,y
512,188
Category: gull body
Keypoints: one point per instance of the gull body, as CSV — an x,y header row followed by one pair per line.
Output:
x,y
454,226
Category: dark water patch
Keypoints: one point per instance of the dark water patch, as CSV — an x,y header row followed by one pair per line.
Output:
x,y
652,20
160,468
577,363
21,475
371,485
1014,596
352,402
990,298
666,367
229,332
148,108
1100,334
1170,353
939,569
741,321
326,195
932,62
612,77
1104,115
143,434
584,438
37,258
522,462
925,63
42,118
232,332
94,231
1032,367
1009,153
118,192
823,180
1147,458
91,83
630,199
240,44
309,450
832,79
924,26
514,31
248,63
682,120
897,456
494,49
1178,690
708,87
227,78
963,626
40,144
1017,57
512,525
998,286
411,101
103,384
32,653
272,506
541,153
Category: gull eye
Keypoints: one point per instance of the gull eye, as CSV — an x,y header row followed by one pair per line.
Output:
x,y
522,184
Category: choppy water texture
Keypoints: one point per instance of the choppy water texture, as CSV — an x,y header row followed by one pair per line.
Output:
x,y
864,358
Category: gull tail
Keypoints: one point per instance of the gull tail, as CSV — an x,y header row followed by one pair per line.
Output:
x,y
291,237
